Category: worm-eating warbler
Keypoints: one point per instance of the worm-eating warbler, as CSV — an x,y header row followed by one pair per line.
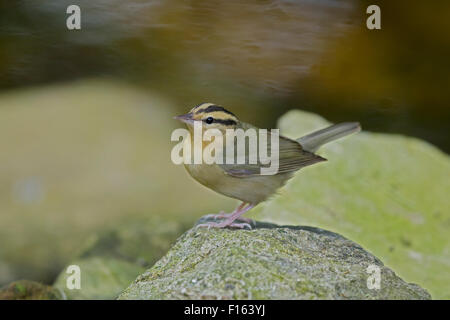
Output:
x,y
244,181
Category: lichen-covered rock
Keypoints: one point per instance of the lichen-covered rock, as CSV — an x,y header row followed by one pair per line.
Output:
x,y
268,262
388,193
29,290
110,261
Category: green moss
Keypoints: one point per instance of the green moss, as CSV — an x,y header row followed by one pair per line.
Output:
x,y
28,290
101,278
111,260
386,192
269,262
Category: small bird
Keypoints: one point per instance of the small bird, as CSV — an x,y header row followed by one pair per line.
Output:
x,y
244,181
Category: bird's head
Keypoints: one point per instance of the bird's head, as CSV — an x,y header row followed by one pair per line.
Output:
x,y
212,117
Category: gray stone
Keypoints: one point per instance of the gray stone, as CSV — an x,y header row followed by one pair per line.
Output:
x,y
268,262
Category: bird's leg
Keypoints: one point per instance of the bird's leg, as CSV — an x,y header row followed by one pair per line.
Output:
x,y
229,222
222,214
236,215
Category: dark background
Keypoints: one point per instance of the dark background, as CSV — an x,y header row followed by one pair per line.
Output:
x,y
259,58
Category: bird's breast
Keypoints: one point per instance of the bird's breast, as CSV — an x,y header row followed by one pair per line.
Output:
x,y
253,189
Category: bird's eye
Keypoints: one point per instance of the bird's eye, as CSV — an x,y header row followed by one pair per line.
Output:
x,y
209,120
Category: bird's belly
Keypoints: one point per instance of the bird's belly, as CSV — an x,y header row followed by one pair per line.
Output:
x,y
253,189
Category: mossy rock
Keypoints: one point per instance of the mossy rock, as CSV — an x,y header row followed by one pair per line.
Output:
x,y
29,290
110,261
86,155
389,193
268,262
140,241
101,278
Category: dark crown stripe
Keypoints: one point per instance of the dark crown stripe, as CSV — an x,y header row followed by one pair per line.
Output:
x,y
214,108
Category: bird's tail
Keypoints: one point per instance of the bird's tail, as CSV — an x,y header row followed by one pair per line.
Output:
x,y
313,141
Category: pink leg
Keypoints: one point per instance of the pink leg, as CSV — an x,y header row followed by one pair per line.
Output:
x,y
229,222
223,215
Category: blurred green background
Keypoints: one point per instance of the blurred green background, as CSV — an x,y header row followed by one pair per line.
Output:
x,y
86,116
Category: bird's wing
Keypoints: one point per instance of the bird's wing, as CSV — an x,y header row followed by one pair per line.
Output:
x,y
292,157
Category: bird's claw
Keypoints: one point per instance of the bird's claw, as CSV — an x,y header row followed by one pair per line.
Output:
x,y
222,225
223,215
214,215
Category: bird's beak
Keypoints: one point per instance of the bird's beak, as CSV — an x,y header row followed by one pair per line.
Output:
x,y
186,118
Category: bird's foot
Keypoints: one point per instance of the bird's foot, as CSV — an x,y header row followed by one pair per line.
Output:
x,y
221,225
223,215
